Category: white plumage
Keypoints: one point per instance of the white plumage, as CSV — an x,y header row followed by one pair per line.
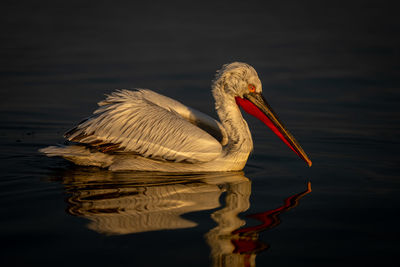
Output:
x,y
143,130
140,122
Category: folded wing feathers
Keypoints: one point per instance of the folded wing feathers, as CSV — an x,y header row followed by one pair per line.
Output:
x,y
130,121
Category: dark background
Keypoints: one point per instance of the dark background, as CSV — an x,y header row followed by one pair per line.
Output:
x,y
329,68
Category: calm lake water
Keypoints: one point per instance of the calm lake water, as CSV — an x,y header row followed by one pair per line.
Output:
x,y
331,72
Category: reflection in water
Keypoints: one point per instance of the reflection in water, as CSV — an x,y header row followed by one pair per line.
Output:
x,y
231,246
125,203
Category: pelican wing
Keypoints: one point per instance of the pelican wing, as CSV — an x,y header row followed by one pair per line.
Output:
x,y
151,125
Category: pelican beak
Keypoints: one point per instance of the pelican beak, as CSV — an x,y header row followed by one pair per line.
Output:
x,y
256,105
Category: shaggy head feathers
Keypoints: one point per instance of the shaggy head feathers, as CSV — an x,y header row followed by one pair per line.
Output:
x,y
233,79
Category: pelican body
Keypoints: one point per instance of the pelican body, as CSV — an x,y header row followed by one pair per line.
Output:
x,y
145,131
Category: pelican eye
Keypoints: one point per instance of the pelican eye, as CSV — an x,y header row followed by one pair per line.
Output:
x,y
252,88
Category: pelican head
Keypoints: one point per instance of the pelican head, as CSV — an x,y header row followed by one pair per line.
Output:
x,y
235,79
239,82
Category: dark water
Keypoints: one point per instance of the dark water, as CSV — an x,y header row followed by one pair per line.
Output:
x,y
330,70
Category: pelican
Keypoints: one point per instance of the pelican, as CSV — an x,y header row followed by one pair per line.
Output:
x,y
146,131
